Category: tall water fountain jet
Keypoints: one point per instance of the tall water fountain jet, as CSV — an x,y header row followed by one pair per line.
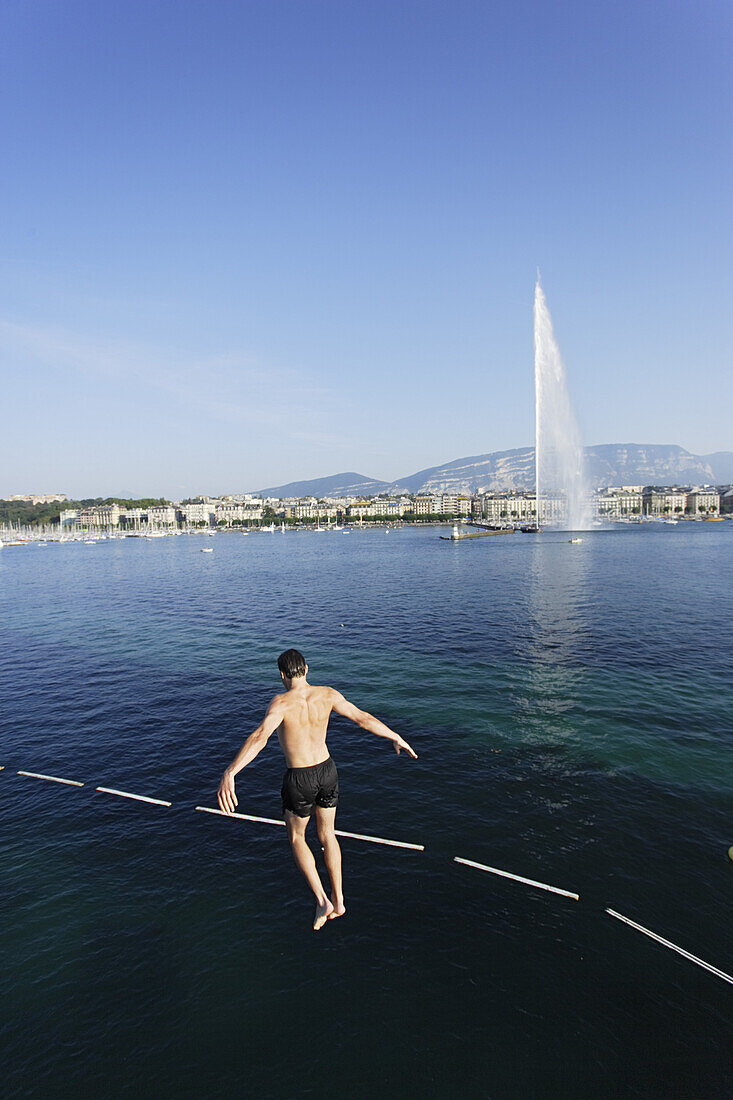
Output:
x,y
559,460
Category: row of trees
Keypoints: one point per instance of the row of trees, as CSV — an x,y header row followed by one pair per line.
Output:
x,y
688,511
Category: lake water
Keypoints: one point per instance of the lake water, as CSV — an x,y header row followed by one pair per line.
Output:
x,y
572,707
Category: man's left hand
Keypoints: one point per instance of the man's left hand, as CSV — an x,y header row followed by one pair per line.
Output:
x,y
226,794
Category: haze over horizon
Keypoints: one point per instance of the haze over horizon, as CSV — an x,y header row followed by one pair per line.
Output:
x,y
249,244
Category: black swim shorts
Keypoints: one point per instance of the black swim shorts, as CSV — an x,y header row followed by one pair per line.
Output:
x,y
305,787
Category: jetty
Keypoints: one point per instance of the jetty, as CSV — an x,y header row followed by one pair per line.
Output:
x,y
460,536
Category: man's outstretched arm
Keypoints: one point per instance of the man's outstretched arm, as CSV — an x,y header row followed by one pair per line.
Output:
x,y
254,744
369,722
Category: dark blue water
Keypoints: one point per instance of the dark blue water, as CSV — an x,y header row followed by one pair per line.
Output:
x,y
572,708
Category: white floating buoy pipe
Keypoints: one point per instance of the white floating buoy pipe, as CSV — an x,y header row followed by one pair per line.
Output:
x,y
137,797
52,778
339,832
244,817
517,878
381,840
672,946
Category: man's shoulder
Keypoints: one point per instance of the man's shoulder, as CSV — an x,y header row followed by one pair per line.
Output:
x,y
325,692
322,695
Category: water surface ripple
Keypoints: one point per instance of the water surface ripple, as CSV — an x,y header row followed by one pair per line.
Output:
x,y
571,705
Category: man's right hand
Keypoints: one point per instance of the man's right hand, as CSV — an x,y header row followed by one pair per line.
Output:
x,y
226,795
400,744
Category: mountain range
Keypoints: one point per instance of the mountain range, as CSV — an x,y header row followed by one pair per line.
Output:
x,y
608,464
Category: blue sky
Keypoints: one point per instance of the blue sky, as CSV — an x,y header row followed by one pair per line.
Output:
x,y
250,242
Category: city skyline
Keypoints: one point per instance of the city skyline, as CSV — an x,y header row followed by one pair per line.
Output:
x,y
493,509
249,244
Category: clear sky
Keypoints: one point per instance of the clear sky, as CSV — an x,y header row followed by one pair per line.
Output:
x,y
250,242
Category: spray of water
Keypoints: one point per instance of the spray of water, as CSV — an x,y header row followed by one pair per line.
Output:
x,y
559,463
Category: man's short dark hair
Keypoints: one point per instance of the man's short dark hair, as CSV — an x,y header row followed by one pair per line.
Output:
x,y
291,663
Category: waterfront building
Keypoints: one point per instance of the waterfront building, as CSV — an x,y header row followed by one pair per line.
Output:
x,y
664,501
505,508
485,508
386,506
69,517
229,513
359,509
164,515
493,508
421,505
199,512
522,508
514,507
100,515
241,511
726,502
702,501
615,502
135,517
454,504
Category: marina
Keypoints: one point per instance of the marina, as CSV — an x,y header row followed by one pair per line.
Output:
x,y
51,535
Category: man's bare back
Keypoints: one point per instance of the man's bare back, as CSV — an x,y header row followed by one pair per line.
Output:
x,y
304,712
300,716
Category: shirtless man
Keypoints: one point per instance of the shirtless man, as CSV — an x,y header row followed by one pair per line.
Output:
x,y
300,715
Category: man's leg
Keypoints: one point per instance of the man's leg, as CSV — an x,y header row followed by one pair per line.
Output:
x,y
326,821
303,857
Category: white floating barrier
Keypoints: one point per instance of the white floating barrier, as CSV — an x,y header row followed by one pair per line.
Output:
x,y
517,878
137,797
672,946
400,844
339,832
52,779
244,817
381,840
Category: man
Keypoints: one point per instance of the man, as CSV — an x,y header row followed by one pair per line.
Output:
x,y
300,715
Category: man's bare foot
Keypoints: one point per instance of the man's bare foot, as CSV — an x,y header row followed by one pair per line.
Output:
x,y
323,912
338,908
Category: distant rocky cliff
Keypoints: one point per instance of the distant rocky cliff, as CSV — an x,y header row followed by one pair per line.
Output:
x,y
608,464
